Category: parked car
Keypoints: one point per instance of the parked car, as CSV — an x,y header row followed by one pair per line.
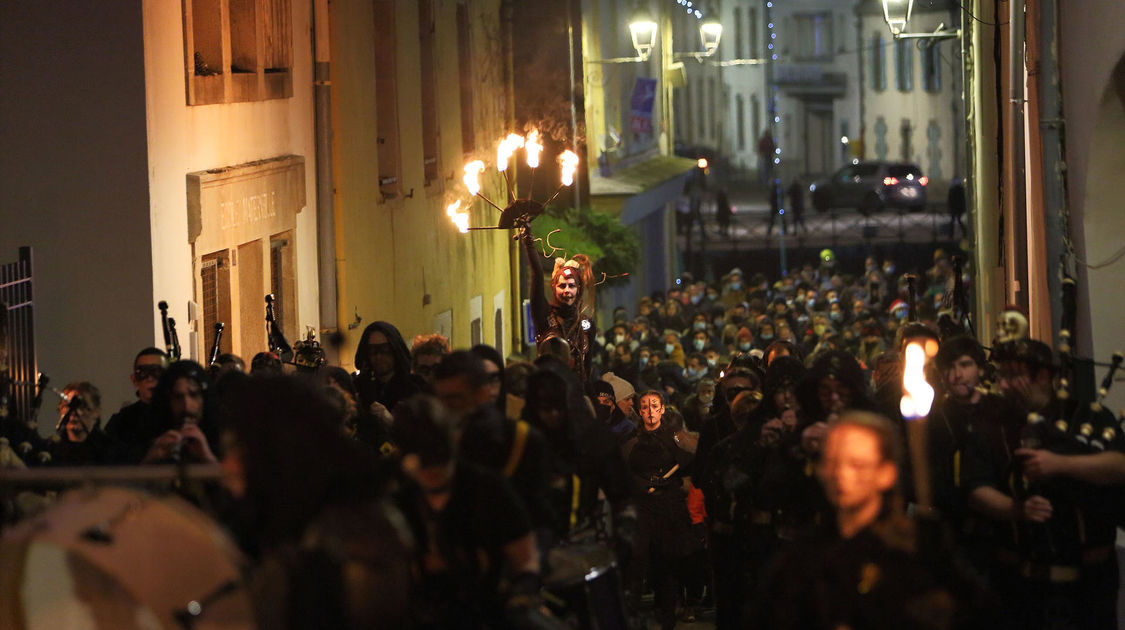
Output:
x,y
871,186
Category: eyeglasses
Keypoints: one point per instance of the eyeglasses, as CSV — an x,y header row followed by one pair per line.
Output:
x,y
144,372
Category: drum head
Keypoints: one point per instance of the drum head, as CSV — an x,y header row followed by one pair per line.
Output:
x,y
118,558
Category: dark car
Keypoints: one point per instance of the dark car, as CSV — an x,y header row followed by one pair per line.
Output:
x,y
871,186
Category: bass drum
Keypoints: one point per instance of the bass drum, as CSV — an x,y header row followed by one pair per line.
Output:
x,y
583,588
121,559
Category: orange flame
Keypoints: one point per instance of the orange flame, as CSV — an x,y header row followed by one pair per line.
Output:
x,y
533,148
459,217
472,176
569,163
917,394
505,150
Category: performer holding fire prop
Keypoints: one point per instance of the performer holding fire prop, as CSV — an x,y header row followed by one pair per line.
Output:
x,y
569,314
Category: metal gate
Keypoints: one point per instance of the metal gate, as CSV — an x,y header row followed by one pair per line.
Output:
x,y
17,334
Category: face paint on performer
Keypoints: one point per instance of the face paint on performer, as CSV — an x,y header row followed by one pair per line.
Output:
x,y
566,287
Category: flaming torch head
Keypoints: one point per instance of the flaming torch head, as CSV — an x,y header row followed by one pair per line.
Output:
x,y
472,176
459,217
917,394
569,163
505,150
533,148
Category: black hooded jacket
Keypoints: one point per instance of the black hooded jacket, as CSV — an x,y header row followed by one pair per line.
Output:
x,y
402,384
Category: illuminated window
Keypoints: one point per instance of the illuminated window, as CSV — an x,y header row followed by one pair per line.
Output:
x,y
237,50
386,99
426,27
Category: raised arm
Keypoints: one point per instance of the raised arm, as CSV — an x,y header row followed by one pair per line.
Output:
x,y
538,298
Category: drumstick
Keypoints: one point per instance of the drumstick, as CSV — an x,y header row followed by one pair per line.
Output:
x,y
666,475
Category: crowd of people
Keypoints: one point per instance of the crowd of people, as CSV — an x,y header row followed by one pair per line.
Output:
x,y
735,445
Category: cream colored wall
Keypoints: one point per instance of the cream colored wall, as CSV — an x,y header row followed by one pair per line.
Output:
x,y
918,105
183,139
402,260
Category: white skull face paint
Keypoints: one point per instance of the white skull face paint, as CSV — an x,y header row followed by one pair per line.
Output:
x,y
566,287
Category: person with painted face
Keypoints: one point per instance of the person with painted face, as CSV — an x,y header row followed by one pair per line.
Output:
x,y
570,313
81,441
658,467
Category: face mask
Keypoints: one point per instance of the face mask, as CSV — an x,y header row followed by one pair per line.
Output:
x,y
644,336
767,336
712,296
901,314
735,286
802,320
836,316
712,362
700,325
619,339
698,345
644,361
745,347
697,298
696,374
633,345
668,348
819,329
810,303
706,400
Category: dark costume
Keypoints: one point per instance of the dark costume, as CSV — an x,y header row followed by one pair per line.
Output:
x,y
400,386
133,426
569,322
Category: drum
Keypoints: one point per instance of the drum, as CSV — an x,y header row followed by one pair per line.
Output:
x,y
118,558
583,587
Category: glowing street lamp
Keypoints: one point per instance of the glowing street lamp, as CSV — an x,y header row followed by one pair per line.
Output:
x,y
710,32
897,13
642,28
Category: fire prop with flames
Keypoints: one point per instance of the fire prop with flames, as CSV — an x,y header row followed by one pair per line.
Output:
x,y
917,398
519,212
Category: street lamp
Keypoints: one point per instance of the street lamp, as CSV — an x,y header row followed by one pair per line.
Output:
x,y
710,32
897,13
642,28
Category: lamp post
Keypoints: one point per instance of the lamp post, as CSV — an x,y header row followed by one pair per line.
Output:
x,y
896,13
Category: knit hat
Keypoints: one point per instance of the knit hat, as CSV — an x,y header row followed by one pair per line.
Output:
x,y
622,389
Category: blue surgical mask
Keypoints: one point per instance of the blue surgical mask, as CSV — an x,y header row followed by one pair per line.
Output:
x,y
767,336
735,286
698,344
836,316
696,374
901,313
643,361
699,325
745,347
810,303
668,348
697,298
712,296
712,362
